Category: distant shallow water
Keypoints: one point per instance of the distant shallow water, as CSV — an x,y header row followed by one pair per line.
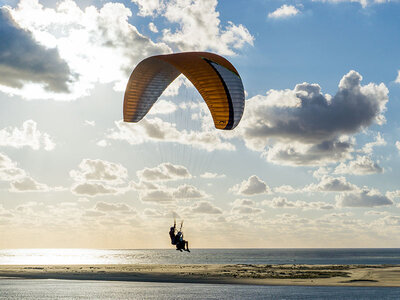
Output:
x,y
71,289
199,256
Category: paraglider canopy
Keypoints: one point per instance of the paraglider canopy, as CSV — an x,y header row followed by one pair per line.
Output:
x,y
216,79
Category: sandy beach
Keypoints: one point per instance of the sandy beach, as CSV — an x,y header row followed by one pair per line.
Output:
x,y
310,275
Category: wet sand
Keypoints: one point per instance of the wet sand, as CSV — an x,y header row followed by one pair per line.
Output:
x,y
309,275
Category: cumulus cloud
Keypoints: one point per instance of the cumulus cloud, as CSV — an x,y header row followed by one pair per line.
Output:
x,y
362,165
153,27
203,207
113,207
398,77
163,107
26,136
109,47
164,171
210,175
187,191
393,194
379,141
20,180
245,207
157,196
285,189
98,177
9,170
308,127
252,186
99,170
199,28
163,195
285,11
148,130
398,145
282,202
363,198
331,184
92,189
149,7
23,60
28,184
43,61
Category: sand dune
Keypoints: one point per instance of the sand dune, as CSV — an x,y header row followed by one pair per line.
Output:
x,y
317,275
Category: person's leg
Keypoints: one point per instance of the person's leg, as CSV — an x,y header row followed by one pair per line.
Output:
x,y
187,246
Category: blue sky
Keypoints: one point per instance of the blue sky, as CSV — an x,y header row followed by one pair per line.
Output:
x,y
313,163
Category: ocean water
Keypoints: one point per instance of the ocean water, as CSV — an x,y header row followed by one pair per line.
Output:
x,y
199,256
74,289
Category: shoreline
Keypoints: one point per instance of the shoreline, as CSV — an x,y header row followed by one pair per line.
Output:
x,y
306,275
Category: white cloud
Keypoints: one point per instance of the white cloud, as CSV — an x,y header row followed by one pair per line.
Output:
x,y
187,191
245,207
157,196
113,207
90,123
363,3
204,207
92,189
153,27
199,28
109,47
161,194
398,145
398,77
210,175
102,143
19,180
26,136
149,7
282,202
162,107
379,141
363,198
285,11
99,170
309,128
362,165
164,171
95,177
28,184
285,189
331,184
155,129
252,186
9,170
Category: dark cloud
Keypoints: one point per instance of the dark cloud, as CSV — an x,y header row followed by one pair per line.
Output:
x,y
22,59
310,126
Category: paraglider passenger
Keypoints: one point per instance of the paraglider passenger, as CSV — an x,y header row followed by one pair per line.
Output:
x,y
178,240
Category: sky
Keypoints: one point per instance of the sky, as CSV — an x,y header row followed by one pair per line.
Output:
x,y
313,163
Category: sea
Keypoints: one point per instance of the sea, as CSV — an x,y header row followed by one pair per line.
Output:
x,y
12,288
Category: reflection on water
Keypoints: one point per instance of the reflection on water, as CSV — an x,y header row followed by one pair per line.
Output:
x,y
71,289
199,256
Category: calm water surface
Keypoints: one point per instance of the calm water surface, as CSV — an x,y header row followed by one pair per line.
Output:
x,y
200,256
71,289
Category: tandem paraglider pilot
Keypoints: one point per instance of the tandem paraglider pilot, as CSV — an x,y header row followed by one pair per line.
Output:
x,y
177,239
